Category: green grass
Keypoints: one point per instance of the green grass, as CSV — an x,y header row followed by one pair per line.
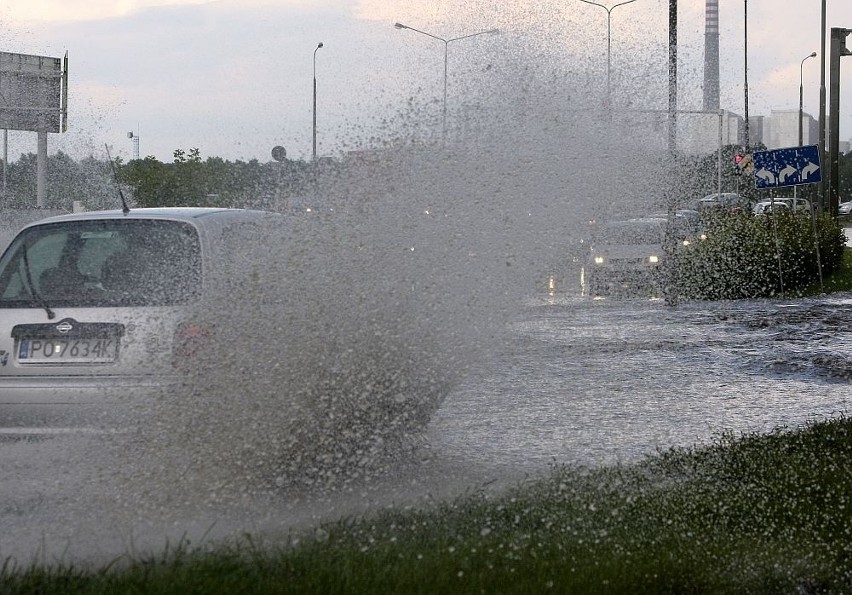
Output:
x,y
839,280
750,514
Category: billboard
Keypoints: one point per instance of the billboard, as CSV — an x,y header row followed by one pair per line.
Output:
x,y
33,92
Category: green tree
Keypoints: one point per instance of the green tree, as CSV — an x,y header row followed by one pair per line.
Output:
x,y
191,181
67,181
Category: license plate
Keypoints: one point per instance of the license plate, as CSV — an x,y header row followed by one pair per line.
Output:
x,y
100,350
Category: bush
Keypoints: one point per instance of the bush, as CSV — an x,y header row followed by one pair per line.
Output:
x,y
740,257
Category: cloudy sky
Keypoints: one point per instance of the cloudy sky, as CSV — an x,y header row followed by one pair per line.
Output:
x,y
233,78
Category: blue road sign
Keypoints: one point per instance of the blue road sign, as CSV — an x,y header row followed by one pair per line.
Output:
x,y
792,166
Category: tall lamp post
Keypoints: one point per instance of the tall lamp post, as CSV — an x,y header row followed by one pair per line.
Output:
x,y
801,105
608,10
446,47
801,94
314,154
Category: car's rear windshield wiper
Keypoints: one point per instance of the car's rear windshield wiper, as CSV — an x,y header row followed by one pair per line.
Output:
x,y
33,291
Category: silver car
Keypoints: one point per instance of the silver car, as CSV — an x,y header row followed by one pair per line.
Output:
x,y
626,256
96,310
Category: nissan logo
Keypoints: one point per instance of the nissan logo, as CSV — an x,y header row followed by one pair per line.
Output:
x,y
64,326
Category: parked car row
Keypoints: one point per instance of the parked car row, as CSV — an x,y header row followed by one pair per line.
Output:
x,y
730,202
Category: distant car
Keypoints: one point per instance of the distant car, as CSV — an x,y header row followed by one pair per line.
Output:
x,y
729,202
766,207
797,205
845,208
687,224
625,257
95,310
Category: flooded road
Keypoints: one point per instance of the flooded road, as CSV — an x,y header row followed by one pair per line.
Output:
x,y
595,382
585,382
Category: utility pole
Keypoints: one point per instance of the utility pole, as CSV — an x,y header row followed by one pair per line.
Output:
x,y
838,49
823,185
745,86
672,76
671,282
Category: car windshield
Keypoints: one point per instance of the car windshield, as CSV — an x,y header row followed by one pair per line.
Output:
x,y
102,263
625,233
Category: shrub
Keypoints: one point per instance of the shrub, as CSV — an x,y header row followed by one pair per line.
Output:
x,y
740,257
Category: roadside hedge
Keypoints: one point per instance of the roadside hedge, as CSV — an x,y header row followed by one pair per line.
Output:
x,y
740,256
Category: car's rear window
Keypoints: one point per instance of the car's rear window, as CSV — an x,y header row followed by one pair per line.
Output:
x,y
102,263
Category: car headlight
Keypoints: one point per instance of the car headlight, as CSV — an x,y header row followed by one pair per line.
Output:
x,y
653,259
599,259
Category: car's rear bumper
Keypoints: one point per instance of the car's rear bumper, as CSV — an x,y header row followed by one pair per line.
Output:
x,y
31,406
607,279
625,274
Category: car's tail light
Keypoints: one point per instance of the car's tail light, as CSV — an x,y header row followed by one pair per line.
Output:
x,y
191,340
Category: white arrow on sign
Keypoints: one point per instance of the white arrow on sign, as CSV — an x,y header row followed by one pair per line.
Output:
x,y
786,173
766,175
810,168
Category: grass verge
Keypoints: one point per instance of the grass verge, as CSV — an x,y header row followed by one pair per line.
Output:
x,y
762,513
839,280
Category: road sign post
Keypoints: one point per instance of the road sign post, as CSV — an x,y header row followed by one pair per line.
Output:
x,y
793,166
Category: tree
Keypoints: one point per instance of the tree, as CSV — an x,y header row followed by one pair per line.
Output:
x,y
191,181
87,181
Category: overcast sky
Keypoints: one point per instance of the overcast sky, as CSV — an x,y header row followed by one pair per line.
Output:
x,y
233,78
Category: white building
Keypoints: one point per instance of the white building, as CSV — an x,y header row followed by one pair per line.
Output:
x,y
701,132
781,129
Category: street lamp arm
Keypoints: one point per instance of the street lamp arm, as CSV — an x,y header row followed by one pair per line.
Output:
x,y
490,31
319,45
401,26
608,9
811,55
614,6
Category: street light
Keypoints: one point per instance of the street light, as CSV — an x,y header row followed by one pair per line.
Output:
x,y
314,158
801,94
608,40
446,44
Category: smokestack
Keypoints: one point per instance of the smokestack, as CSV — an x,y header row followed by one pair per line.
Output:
x,y
711,57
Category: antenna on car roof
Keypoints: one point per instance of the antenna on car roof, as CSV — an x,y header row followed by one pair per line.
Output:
x,y
124,208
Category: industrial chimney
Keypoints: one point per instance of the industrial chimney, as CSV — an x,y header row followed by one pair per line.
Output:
x,y
711,57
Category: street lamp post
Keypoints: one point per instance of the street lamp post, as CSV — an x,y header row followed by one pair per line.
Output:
x,y
801,105
314,154
608,40
801,94
446,47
